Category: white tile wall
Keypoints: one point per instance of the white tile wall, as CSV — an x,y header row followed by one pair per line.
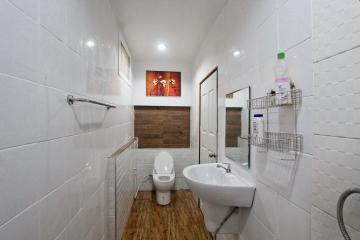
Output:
x,y
336,119
324,227
53,157
336,168
325,67
283,187
336,27
126,186
294,23
337,94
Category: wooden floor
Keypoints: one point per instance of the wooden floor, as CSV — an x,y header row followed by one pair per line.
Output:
x,y
180,220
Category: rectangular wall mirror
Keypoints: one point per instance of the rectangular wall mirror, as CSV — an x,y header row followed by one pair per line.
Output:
x,y
237,124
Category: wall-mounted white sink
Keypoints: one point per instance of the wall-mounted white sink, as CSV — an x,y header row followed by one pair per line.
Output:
x,y
215,186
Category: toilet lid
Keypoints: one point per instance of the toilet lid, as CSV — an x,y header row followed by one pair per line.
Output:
x,y
164,163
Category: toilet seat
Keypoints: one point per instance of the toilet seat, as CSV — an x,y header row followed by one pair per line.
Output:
x,y
164,177
164,163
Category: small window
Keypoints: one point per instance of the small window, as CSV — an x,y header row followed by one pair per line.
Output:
x,y
124,62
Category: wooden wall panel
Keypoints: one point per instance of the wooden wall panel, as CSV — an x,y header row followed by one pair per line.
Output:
x,y
162,127
233,126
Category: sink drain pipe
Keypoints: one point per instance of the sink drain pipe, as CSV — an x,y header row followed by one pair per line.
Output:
x,y
232,211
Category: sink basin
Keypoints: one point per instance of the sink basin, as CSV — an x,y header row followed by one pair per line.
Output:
x,y
215,186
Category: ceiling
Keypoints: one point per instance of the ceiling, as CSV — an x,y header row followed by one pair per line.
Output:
x,y
180,24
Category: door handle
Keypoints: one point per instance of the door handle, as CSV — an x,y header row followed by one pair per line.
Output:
x,y
212,155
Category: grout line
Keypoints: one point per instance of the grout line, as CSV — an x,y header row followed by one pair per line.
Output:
x,y
23,12
36,21
333,217
298,44
338,53
58,138
263,225
46,196
56,89
333,136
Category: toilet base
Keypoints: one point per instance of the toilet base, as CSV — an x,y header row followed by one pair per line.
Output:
x,y
163,198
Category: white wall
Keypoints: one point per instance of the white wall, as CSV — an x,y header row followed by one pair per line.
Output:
x,y
294,200
336,164
139,80
259,29
53,157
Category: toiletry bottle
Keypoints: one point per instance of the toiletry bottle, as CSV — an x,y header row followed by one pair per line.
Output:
x,y
258,127
282,81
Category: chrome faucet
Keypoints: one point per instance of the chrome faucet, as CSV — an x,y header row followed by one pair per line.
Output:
x,y
227,168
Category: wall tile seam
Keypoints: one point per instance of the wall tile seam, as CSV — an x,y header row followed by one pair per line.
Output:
x,y
70,222
50,87
61,41
332,217
308,215
336,54
275,12
37,22
39,201
278,194
23,12
327,83
330,163
61,137
294,46
333,136
283,195
63,231
263,225
298,44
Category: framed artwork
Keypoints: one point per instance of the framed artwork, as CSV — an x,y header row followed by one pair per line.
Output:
x,y
163,83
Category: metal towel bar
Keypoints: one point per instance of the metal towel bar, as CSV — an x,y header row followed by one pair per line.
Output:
x,y
340,206
71,100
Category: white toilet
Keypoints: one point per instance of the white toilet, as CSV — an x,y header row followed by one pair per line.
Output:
x,y
164,177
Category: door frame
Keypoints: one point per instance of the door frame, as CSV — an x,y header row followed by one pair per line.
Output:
x,y
217,110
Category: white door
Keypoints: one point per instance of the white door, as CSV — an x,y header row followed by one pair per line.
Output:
x,y
208,119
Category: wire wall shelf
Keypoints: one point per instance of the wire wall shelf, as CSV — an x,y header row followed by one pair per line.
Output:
x,y
272,100
279,142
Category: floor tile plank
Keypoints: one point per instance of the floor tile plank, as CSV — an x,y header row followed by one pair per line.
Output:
x,y
180,220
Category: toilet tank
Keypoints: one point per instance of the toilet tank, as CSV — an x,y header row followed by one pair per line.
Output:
x,y
164,163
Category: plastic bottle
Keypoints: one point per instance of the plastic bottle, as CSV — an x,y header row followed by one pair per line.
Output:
x,y
258,126
282,81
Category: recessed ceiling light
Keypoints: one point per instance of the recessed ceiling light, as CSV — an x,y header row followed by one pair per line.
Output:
x,y
90,43
161,47
236,53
